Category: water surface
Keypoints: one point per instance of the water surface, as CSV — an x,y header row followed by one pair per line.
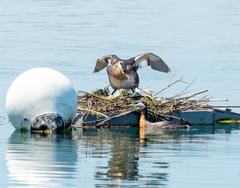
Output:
x,y
197,39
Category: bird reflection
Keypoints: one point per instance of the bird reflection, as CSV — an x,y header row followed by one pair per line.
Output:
x,y
124,158
37,161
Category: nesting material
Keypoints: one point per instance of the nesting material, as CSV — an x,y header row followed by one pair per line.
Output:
x,y
101,103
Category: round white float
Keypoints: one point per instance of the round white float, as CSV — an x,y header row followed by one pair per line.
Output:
x,y
40,91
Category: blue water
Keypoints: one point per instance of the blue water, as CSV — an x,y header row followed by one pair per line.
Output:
x,y
197,39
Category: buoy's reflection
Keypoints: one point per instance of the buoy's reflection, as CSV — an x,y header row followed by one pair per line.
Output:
x,y
42,162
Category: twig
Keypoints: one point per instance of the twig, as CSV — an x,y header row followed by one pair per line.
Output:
x,y
93,111
218,100
223,106
113,117
183,91
194,94
169,85
84,123
92,94
175,96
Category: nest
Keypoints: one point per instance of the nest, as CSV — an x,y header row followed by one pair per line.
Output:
x,y
107,106
102,103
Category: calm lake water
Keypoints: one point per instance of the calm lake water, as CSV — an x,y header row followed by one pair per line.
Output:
x,y
198,39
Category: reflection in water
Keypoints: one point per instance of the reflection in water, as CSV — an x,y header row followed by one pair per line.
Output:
x,y
154,135
34,160
123,161
3,120
69,35
105,158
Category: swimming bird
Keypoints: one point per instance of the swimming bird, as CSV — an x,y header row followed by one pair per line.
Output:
x,y
123,74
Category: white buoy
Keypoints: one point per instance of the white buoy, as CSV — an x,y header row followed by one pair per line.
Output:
x,y
41,96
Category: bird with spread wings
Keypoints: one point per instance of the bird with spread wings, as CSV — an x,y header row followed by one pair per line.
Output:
x,y
122,74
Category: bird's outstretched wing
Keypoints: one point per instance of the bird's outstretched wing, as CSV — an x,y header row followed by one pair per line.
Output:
x,y
104,61
150,59
100,65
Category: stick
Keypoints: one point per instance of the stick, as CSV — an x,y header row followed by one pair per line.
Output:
x,y
227,106
193,95
169,85
92,111
189,85
85,122
113,117
179,95
219,100
94,95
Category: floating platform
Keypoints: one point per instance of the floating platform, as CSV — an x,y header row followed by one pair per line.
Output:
x,y
208,117
131,119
